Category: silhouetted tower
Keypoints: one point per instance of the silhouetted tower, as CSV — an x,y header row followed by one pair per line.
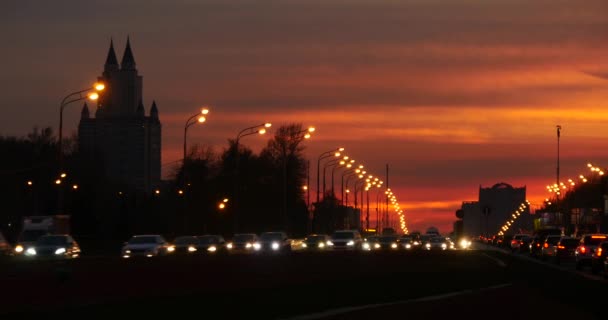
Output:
x,y
126,140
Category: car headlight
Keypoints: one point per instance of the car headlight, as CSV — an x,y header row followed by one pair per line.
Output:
x,y
366,246
192,249
428,245
170,248
416,243
408,246
248,245
212,249
377,246
127,251
275,246
60,251
394,245
350,243
443,245
30,252
304,245
229,245
321,245
19,248
329,243
257,246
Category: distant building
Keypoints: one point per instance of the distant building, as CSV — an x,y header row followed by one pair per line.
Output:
x,y
122,136
496,206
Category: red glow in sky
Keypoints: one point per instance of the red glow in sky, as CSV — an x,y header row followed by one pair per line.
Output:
x,y
451,94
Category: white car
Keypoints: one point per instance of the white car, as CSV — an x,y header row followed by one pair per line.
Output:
x,y
147,246
346,240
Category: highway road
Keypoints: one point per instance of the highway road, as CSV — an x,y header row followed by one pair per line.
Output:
x,y
483,283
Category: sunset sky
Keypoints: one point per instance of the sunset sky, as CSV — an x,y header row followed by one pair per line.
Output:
x,y
452,95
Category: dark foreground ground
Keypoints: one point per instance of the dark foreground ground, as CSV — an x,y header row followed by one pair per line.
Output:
x,y
473,284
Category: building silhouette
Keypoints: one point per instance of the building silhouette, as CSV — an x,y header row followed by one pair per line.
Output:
x,y
495,206
125,140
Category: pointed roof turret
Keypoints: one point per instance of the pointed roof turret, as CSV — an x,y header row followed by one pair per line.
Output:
x,y
111,61
128,62
84,114
154,110
140,112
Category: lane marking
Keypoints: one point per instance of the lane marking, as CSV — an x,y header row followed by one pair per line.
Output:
x,y
337,311
498,261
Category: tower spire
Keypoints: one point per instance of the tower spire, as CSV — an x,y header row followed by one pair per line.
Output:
x,y
111,61
84,114
128,62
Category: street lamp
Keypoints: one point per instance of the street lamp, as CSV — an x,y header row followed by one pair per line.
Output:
x,y
201,119
348,173
259,129
306,135
345,163
334,152
73,97
332,163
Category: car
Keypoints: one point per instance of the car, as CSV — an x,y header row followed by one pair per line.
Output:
x,y
524,244
565,249
346,240
599,257
370,243
586,248
605,268
549,247
185,244
146,245
536,245
27,239
276,241
464,244
406,242
56,246
315,242
388,242
436,243
211,243
5,247
424,239
244,243
516,241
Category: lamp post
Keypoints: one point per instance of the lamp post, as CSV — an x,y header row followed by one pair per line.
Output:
x,y
347,173
336,153
360,173
306,135
189,123
73,97
259,129
346,163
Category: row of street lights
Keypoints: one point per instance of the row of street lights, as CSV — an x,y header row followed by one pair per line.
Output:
x,y
521,209
363,182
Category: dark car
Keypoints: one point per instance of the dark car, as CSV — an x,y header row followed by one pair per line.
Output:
x,y
315,242
536,245
586,248
406,242
549,247
185,245
211,243
60,246
244,242
524,244
370,243
599,257
388,242
275,242
565,249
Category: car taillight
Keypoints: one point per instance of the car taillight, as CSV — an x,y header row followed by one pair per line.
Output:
x,y
583,249
599,252
513,241
538,244
546,245
561,247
